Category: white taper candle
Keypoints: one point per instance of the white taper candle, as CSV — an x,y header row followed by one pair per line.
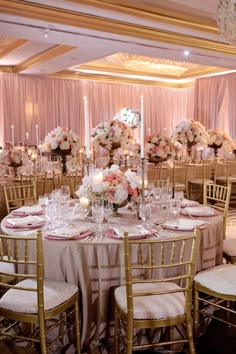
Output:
x,y
142,127
86,127
37,133
12,135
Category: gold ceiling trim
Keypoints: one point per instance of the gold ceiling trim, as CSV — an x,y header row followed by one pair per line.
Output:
x,y
7,69
152,13
42,57
106,78
114,69
55,15
15,44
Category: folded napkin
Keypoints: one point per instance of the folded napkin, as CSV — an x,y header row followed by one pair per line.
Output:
x,y
201,210
28,210
188,203
28,221
68,233
184,224
134,232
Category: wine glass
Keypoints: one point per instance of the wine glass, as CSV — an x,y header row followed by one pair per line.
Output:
x,y
65,192
108,210
98,216
175,207
51,213
145,212
43,201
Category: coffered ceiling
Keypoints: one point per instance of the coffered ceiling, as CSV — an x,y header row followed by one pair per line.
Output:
x,y
141,41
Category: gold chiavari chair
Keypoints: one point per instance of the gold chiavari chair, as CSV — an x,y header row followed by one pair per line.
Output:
x,y
179,177
44,304
39,179
214,290
70,179
19,195
218,197
226,173
158,290
203,174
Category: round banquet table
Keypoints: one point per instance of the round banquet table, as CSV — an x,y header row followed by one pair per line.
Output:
x,y
97,267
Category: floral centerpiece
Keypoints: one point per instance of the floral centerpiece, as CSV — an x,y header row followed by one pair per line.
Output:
x,y
63,141
117,187
111,133
219,139
129,116
159,148
190,132
13,158
62,138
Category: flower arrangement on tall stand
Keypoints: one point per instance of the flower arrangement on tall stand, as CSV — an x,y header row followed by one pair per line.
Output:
x,y
111,136
63,142
190,133
219,139
129,116
13,158
116,187
159,148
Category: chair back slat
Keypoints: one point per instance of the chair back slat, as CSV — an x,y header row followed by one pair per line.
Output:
x,y
19,195
160,260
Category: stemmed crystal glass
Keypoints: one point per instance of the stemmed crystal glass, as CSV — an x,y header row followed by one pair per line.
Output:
x,y
108,209
65,192
98,216
51,213
145,212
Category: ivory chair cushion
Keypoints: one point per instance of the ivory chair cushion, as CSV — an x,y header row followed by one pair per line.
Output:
x,y
200,181
153,306
229,247
55,293
231,179
7,267
220,279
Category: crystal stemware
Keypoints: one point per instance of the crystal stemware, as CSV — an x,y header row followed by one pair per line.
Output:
x,y
98,216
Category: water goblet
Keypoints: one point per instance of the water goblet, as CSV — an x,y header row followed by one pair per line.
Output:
x,y
108,210
65,192
145,212
98,216
51,214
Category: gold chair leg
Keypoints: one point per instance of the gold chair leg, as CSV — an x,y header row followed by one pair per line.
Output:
x,y
189,329
77,328
196,314
129,338
117,339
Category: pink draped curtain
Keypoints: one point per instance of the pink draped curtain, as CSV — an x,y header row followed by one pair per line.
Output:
x,y
215,104
27,101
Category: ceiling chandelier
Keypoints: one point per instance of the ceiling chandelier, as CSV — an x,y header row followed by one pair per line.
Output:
x,y
226,19
148,64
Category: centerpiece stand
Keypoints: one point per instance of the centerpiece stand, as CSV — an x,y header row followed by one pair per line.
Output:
x,y
189,149
215,147
157,160
15,167
111,152
63,154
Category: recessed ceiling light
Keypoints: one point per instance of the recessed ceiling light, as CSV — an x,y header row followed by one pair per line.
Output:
x,y
186,52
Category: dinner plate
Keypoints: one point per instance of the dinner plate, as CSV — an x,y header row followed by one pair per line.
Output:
x,y
61,237
201,210
134,232
184,224
188,203
28,210
28,222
